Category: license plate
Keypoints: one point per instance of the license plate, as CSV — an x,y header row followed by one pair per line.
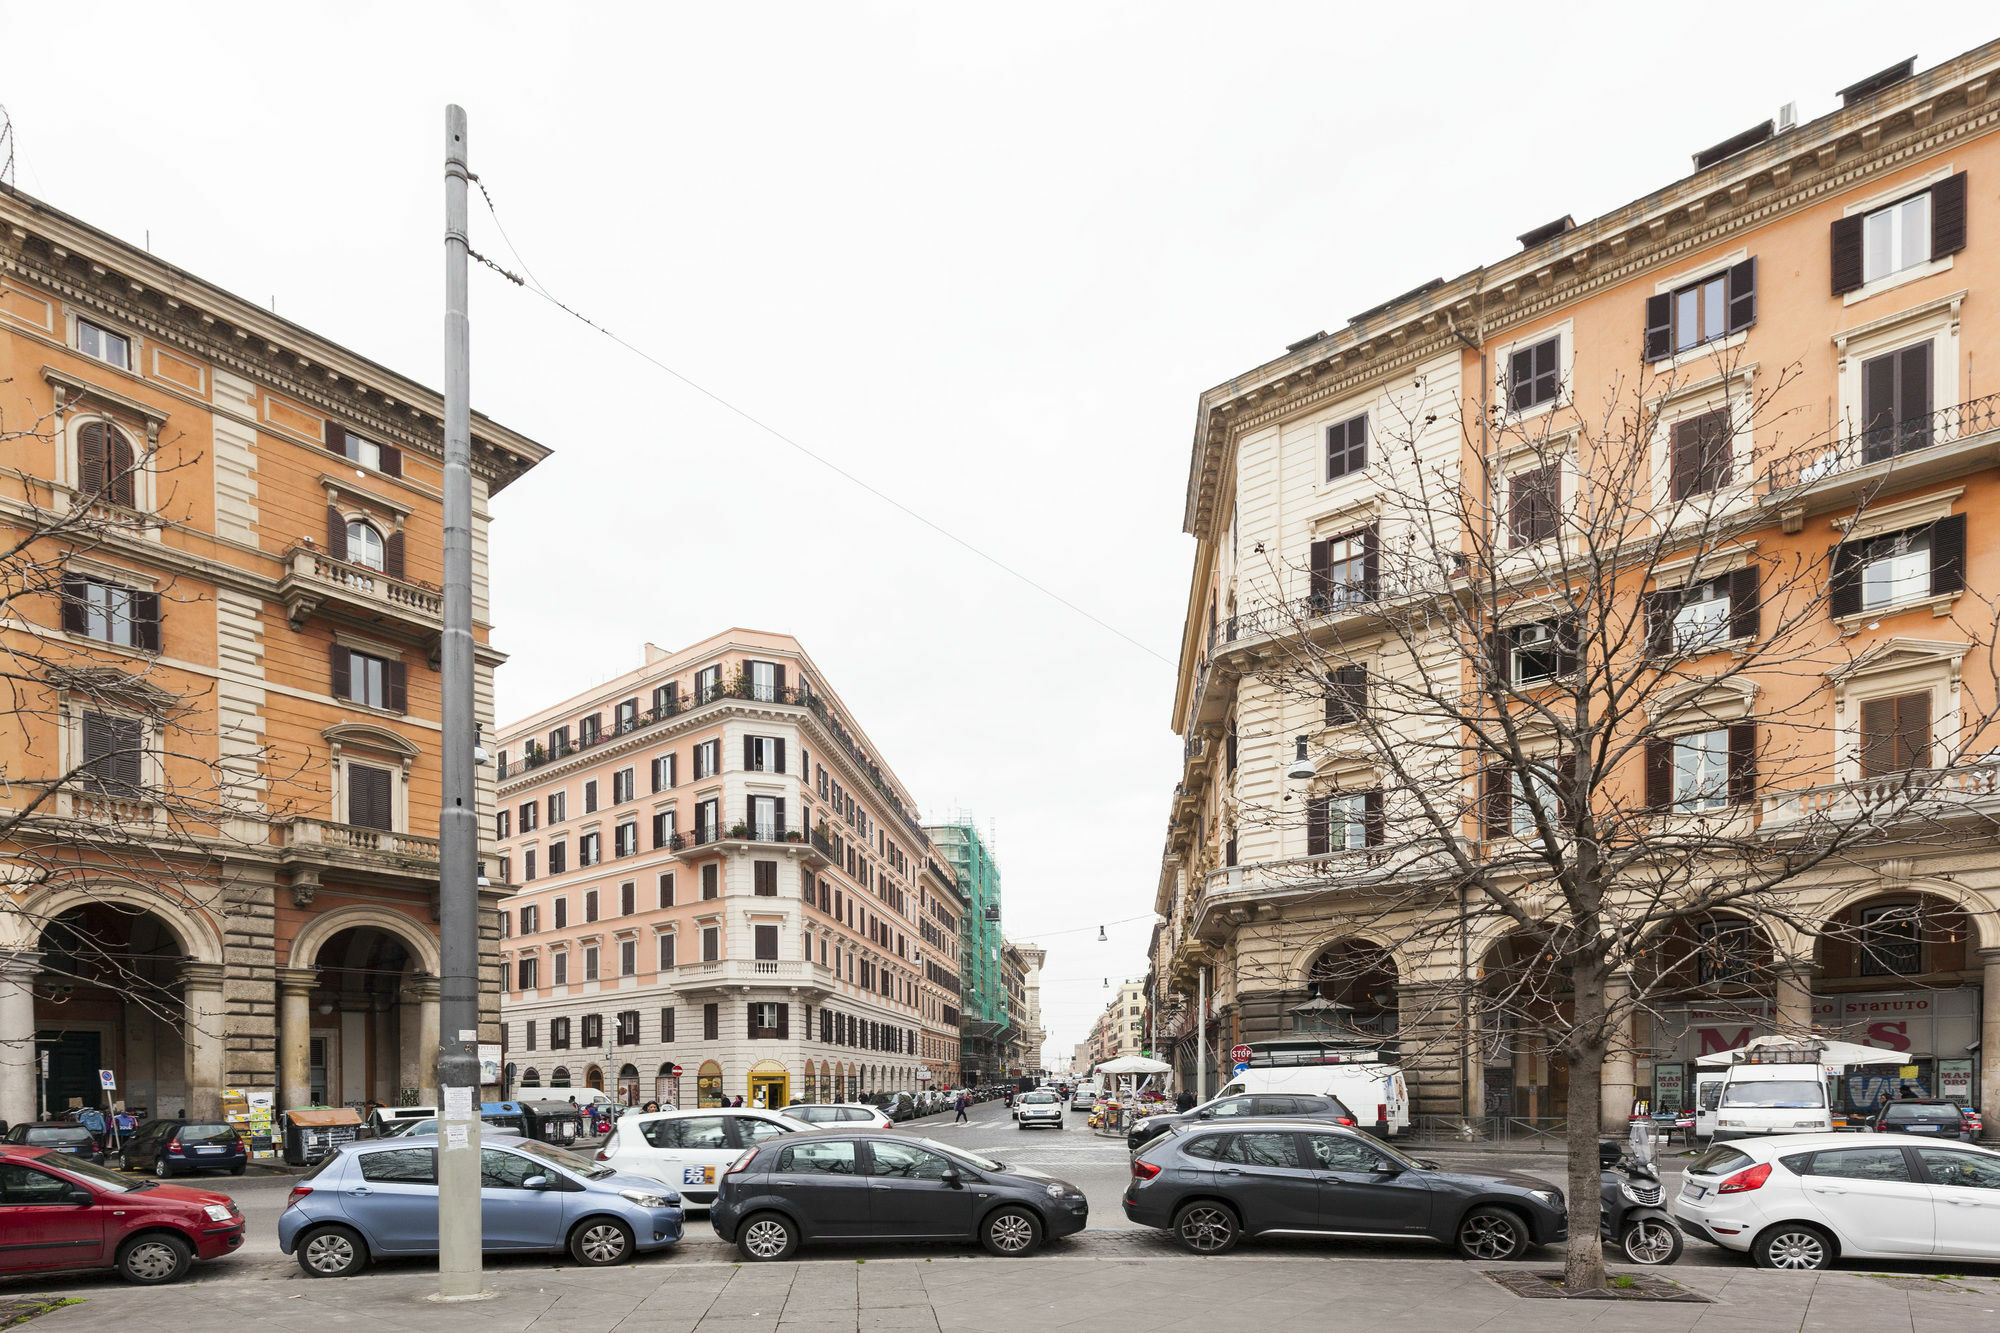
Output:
x,y
697,1175
1923,1129
1694,1191
208,1150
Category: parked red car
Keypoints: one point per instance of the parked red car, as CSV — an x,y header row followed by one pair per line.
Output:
x,y
59,1212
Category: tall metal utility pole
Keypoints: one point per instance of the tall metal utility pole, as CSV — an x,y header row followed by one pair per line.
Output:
x,y
459,1232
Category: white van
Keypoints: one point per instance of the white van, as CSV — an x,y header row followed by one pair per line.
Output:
x,y
1759,1099
1375,1092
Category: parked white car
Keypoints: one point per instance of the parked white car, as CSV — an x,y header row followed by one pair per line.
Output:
x,y
1805,1200
827,1115
1038,1108
690,1150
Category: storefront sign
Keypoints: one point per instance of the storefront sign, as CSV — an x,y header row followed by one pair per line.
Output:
x,y
1669,1084
1955,1079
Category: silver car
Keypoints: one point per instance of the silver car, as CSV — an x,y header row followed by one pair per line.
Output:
x,y
1038,1108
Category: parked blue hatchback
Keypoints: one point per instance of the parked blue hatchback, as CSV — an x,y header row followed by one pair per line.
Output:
x,y
380,1199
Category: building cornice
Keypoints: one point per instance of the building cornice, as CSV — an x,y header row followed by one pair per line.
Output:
x,y
1909,120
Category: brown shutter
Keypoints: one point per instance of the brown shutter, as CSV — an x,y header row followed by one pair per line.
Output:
x,y
1659,612
392,555
1878,408
1742,762
750,1018
1745,615
1743,295
336,438
1322,572
660,831
1659,326
119,482
1371,563
1684,455
97,743
1913,396
780,757
146,620
1372,819
1913,730
1316,821
1659,773
780,674
784,1021
1496,802
75,604
92,457
749,753
1846,254
1948,216
1948,555
1843,595
395,687
392,459
343,686
336,533
779,806
1878,737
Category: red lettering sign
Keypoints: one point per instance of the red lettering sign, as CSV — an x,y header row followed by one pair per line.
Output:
x,y
1719,1039
1896,1036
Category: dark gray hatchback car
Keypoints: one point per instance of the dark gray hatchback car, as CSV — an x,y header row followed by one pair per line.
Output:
x,y
1212,1185
839,1185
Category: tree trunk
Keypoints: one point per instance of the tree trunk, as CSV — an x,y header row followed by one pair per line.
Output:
x,y
1583,1265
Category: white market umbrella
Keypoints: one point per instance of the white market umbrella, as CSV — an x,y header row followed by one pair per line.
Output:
x,y
1134,1064
1843,1053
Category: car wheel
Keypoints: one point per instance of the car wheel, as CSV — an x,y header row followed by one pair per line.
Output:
x,y
1206,1228
1650,1240
122,1164
333,1252
1011,1233
599,1241
238,1169
767,1238
1490,1235
152,1259
1793,1245
161,1169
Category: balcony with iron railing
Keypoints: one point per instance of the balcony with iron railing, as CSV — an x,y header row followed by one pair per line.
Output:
x,y
1912,798
316,583
1952,440
813,845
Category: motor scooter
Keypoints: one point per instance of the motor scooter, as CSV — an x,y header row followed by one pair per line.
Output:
x,y
1630,1216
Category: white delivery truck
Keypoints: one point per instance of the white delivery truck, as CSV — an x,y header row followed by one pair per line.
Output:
x,y
1778,1085
1373,1090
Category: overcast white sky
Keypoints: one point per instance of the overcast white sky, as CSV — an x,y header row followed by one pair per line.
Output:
x,y
984,256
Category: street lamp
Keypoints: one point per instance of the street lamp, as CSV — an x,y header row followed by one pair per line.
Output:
x,y
1301,769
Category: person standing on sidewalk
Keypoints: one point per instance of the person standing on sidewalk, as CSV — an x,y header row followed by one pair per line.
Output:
x,y
959,1102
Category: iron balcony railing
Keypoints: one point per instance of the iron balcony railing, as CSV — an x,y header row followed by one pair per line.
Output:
x,y
701,835
1885,440
1270,619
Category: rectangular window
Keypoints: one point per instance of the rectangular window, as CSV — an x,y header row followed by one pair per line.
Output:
x,y
1536,653
502,823
622,785
588,730
1533,375
527,865
526,981
589,969
628,899
590,796
1701,770
114,349
368,797
588,850
559,1033
111,613
1725,952
667,1024
506,870
1534,504
667,953
589,906
708,821
593,1031
562,912
1346,700
663,772
1896,237
558,857
561,961
627,716
711,879
1892,941
1343,571
558,742
368,680
708,683
1895,568
711,944
1895,734
707,759
766,874
767,942
763,754
711,1022
663,829
1343,821
113,753
625,840
558,806
765,825
1896,402
1711,307
628,958
1347,446
1703,616
766,680
531,816
1699,453
667,890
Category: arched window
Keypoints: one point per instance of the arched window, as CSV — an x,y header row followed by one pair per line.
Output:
x,y
560,1079
593,1077
104,461
532,1079
364,545
628,1085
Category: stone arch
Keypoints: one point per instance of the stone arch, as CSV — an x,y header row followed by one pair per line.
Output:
x,y
196,936
423,945
1985,920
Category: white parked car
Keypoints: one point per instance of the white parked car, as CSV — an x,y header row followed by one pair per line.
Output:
x,y
690,1150
1038,1108
827,1115
1805,1200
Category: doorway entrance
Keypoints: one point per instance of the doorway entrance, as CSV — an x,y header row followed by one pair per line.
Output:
x,y
771,1091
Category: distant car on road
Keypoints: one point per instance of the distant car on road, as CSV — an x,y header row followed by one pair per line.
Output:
x,y
1931,1117
59,1211
1038,1108
1299,1105
174,1147
825,1115
689,1150
67,1138
839,1186
379,1199
1213,1185
898,1106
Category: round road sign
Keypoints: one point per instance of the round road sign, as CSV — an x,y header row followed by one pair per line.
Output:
x,y
1240,1054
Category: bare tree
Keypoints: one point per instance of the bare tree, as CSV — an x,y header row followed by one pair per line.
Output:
x,y
1573,682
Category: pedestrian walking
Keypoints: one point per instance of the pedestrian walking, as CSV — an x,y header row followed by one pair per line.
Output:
x,y
1184,1102
959,1102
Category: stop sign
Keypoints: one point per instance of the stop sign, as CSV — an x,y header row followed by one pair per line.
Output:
x,y
1239,1055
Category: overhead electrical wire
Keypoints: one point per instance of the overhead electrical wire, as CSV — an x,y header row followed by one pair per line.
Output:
x,y
533,284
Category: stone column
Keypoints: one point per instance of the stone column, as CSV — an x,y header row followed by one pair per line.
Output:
x,y
295,987
1616,1095
419,1038
1989,1042
20,1073
201,986
1792,999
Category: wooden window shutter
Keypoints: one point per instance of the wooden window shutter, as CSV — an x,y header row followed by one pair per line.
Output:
x,y
1913,730
1913,386
1948,555
1745,614
779,674
1743,295
396,687
1496,802
1372,819
146,620
1684,453
392,554
1568,643
119,485
667,1024
1659,326
750,1018
343,687
779,806
1847,254
1843,596
75,604
336,533
1322,571
336,438
1371,562
97,744
1742,762
1659,608
1878,737
784,1020
660,832
1316,821
392,459
749,753
1948,216
93,457
1659,773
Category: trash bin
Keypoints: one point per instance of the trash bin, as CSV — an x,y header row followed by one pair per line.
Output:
x,y
312,1134
552,1122
504,1115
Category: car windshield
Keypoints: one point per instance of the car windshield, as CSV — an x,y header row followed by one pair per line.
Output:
x,y
1038,1098
206,1134
58,1134
108,1181
1720,1160
963,1155
1924,1113
1778,1094
568,1161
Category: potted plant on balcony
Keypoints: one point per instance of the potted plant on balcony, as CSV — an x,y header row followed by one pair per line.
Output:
x,y
791,835
739,830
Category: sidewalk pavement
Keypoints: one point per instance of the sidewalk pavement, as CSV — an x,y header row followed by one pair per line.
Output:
x,y
1072,1285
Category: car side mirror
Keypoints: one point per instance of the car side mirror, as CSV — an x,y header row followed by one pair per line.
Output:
x,y
1387,1169
1204,1115
535,1183
951,1177
80,1195
1427,1164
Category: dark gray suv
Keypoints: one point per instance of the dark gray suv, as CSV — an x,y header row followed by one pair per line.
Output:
x,y
838,1185
1212,1185
1295,1105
